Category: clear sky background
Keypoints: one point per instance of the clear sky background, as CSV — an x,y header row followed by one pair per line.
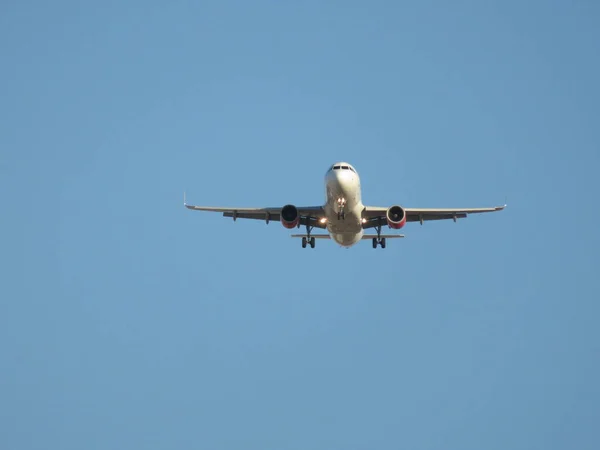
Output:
x,y
127,321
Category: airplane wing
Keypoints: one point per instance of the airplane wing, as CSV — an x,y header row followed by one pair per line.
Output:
x,y
309,215
375,215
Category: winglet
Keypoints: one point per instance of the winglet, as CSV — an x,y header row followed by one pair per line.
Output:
x,y
500,208
184,202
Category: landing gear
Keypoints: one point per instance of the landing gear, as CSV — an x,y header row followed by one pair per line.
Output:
x,y
308,239
341,215
379,240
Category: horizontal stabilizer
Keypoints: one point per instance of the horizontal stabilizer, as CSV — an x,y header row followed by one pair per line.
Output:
x,y
365,236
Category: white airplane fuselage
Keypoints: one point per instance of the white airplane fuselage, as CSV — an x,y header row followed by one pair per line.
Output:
x,y
343,206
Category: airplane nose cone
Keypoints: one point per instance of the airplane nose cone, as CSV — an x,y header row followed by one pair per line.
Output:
x,y
343,181
344,178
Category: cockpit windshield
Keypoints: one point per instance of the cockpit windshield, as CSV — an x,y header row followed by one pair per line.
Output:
x,y
340,167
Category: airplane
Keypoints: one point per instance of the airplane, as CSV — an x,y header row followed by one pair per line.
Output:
x,y
343,215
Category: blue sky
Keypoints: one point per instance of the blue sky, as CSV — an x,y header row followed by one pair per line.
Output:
x,y
127,321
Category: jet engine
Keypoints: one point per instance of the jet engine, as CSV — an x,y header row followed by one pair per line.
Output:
x,y
289,216
396,217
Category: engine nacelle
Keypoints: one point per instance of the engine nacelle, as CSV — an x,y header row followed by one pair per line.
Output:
x,y
396,217
289,216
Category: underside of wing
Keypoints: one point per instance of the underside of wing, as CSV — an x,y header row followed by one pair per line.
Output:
x,y
292,215
377,216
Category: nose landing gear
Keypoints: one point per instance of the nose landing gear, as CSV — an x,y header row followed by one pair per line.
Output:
x,y
341,215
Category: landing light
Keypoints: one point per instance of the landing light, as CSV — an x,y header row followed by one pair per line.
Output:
x,y
323,220
364,221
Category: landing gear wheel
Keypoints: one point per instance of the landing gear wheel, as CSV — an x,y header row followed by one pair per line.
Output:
x,y
308,239
374,242
382,242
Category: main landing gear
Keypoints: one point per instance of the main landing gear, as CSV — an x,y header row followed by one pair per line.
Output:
x,y
379,240
308,239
